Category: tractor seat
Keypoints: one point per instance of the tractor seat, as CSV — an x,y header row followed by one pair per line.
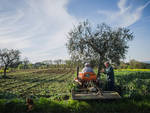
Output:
x,y
87,76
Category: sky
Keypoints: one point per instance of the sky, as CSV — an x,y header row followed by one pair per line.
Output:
x,y
39,28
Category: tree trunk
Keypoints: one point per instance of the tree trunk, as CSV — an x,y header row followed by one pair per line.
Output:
x,y
77,71
99,67
5,72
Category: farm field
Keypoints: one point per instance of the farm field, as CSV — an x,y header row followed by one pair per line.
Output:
x,y
37,83
50,88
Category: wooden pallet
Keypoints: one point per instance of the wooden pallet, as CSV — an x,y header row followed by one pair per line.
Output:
x,y
76,95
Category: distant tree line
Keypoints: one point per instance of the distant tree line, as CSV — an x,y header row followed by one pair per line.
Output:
x,y
10,59
59,63
133,64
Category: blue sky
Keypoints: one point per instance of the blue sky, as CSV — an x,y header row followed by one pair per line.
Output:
x,y
38,28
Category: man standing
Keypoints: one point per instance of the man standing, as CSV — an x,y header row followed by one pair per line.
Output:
x,y
110,75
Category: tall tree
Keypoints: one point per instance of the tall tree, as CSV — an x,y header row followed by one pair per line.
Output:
x,y
99,43
9,58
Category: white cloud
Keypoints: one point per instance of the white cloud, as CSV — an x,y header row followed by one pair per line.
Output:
x,y
126,15
38,28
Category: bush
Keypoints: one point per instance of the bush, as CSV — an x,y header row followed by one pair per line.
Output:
x,y
15,105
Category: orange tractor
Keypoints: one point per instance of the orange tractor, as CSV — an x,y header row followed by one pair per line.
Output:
x,y
88,88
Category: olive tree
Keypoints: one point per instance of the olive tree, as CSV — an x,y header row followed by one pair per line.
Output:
x,y
8,58
98,43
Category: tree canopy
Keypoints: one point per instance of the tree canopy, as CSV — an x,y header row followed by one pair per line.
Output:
x,y
9,58
100,43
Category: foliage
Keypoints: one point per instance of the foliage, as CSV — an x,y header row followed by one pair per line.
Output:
x,y
13,105
26,64
56,83
49,88
100,43
74,106
133,64
9,58
134,70
37,83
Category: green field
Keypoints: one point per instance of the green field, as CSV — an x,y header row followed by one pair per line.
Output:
x,y
50,89
37,83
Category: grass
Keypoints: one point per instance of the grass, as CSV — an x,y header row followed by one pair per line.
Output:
x,y
74,106
50,90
